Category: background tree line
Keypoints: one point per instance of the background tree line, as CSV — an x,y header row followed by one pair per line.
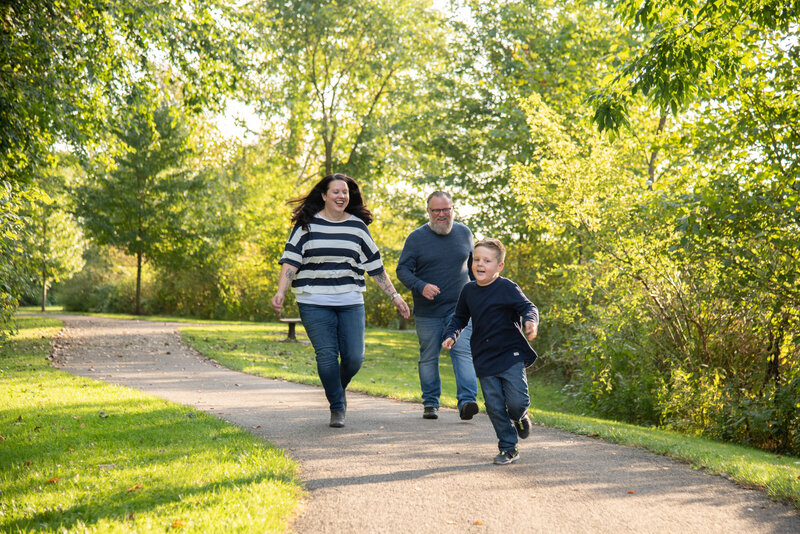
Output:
x,y
638,159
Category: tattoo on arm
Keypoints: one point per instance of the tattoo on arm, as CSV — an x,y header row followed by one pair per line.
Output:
x,y
384,283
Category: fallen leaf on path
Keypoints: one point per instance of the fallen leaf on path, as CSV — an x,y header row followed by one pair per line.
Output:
x,y
631,492
478,522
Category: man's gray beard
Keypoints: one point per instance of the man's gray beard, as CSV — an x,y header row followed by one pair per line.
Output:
x,y
441,229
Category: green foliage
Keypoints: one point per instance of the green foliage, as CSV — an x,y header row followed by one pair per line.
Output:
x,y
51,239
107,283
690,48
659,326
478,131
242,220
340,73
138,205
13,275
67,65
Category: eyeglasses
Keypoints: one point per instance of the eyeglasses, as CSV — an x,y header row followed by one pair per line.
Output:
x,y
443,211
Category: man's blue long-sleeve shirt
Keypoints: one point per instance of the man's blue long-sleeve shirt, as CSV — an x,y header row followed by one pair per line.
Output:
x,y
442,260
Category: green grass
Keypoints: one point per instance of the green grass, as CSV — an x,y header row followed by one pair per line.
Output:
x,y
59,310
79,455
390,370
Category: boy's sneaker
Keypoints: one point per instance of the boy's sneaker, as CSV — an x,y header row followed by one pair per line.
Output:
x,y
523,426
506,457
430,412
468,410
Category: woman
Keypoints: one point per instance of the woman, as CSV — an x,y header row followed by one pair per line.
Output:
x,y
324,261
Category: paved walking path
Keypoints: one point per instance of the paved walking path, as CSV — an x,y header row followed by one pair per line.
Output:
x,y
391,471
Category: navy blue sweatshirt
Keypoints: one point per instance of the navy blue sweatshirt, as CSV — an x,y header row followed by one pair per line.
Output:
x,y
442,260
498,341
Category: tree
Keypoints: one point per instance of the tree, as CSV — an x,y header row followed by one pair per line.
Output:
x,y
137,204
690,49
65,65
52,241
335,76
13,273
477,131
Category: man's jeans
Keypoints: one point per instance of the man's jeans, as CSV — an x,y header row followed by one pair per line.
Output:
x,y
506,398
429,332
335,331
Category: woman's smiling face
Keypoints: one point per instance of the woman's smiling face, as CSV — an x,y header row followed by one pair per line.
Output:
x,y
337,197
486,266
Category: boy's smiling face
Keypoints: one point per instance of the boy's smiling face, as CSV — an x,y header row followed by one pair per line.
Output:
x,y
486,265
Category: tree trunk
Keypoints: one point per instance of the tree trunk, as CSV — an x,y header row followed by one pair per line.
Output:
x,y
328,156
138,283
651,163
44,263
44,286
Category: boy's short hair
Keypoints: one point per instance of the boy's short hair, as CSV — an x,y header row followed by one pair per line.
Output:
x,y
494,244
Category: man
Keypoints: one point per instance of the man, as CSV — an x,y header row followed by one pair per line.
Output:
x,y
435,264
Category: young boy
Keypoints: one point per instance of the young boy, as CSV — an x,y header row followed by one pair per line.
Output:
x,y
500,351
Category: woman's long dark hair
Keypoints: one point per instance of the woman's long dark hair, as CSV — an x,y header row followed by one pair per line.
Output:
x,y
312,203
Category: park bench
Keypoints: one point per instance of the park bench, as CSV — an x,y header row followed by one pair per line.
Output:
x,y
291,321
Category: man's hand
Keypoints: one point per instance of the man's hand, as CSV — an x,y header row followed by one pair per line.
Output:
x,y
531,330
430,291
448,343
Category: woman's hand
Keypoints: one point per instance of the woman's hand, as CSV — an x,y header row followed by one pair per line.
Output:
x,y
448,343
277,302
285,280
401,306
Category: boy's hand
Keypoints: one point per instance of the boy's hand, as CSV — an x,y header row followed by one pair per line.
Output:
x,y
448,343
531,330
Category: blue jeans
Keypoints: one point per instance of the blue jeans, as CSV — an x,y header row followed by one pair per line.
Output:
x,y
335,331
506,398
429,332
